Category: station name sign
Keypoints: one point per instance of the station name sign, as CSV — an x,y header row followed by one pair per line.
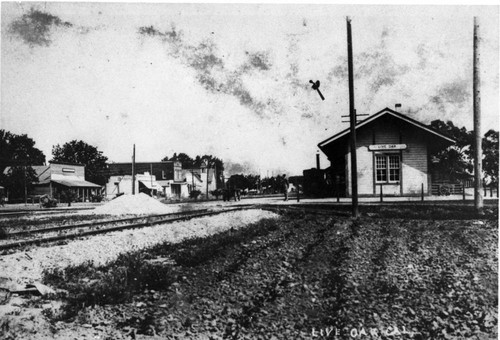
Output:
x,y
383,147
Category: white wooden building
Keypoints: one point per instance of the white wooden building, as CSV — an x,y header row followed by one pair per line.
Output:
x,y
392,155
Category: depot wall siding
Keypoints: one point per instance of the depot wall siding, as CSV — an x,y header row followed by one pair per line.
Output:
x,y
365,162
414,164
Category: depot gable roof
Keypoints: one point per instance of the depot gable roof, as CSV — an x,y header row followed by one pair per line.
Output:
x,y
382,113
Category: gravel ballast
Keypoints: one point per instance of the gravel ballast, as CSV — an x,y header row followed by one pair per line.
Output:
x,y
27,266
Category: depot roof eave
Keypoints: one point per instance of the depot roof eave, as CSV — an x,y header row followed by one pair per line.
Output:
x,y
376,116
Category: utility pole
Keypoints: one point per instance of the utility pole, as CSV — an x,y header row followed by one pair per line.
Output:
x,y
133,171
352,116
208,169
478,196
25,187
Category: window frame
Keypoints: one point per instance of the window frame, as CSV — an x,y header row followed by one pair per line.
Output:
x,y
386,156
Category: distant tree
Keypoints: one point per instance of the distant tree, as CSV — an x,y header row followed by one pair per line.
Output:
x,y
187,162
68,196
490,158
16,178
463,137
238,182
253,181
95,162
454,162
18,150
457,160
270,184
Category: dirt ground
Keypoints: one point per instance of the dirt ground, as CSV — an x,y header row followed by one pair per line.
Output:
x,y
23,315
273,275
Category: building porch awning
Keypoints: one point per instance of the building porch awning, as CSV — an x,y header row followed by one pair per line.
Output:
x,y
76,184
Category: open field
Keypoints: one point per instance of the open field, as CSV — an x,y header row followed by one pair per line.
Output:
x,y
430,272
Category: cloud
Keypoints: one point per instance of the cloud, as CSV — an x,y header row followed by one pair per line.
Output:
x,y
454,95
258,60
234,168
211,71
377,68
35,27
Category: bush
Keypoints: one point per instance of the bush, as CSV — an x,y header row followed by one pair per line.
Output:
x,y
194,194
88,285
3,233
216,193
96,198
47,202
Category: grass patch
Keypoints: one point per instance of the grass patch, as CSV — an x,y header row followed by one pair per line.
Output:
x,y
133,272
90,285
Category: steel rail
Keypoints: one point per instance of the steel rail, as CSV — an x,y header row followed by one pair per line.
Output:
x,y
92,224
44,240
28,212
317,210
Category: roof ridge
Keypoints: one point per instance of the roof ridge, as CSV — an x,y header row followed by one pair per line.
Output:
x,y
378,115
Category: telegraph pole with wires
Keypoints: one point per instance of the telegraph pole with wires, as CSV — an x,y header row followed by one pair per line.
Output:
x,y
133,171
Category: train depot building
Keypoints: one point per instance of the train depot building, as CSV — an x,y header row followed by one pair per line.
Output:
x,y
393,155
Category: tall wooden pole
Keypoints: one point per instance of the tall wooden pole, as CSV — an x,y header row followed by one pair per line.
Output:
x,y
25,187
478,183
133,171
208,169
352,115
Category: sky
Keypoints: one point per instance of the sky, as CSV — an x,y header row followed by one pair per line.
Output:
x,y
233,80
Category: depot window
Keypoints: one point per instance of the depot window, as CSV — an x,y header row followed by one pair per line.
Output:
x,y
387,168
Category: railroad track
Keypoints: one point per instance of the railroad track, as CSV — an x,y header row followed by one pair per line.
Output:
x,y
38,237
308,209
25,212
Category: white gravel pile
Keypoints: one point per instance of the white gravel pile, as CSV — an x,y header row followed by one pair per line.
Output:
x,y
26,267
140,204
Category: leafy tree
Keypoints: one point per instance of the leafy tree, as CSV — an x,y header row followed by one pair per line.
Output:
x,y
462,137
270,184
18,150
455,162
16,178
253,181
490,158
69,195
187,162
238,182
80,152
